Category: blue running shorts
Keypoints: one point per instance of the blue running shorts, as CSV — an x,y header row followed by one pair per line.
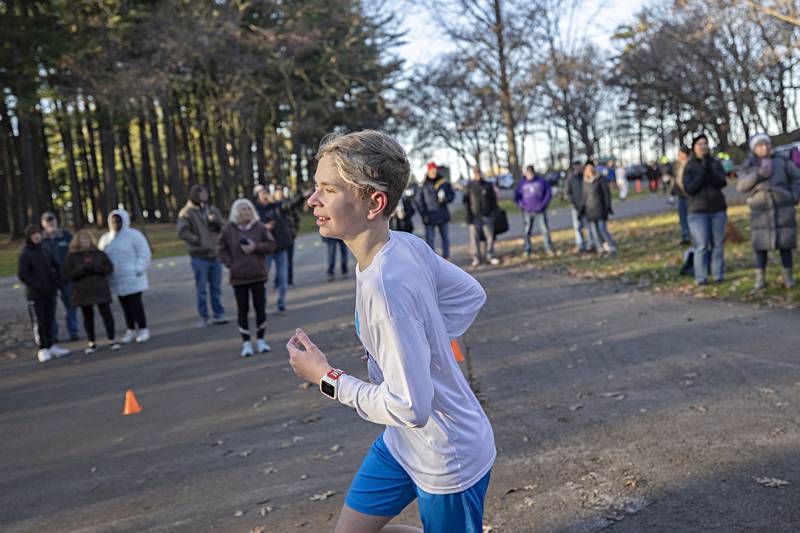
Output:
x,y
382,488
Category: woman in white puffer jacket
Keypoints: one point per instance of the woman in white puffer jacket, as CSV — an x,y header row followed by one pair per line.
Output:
x,y
130,254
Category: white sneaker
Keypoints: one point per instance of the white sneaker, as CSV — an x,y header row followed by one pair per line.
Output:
x,y
128,337
58,351
90,349
247,349
43,355
143,336
262,346
201,323
115,346
494,261
475,262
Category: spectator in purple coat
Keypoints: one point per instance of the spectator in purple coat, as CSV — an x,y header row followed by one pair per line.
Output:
x,y
533,195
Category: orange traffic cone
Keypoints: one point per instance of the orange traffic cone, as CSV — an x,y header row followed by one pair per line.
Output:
x,y
457,350
131,405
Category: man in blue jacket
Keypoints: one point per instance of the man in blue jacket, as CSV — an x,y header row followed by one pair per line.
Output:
x,y
533,195
56,243
432,199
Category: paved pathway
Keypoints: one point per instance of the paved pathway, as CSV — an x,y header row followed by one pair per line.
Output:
x,y
613,409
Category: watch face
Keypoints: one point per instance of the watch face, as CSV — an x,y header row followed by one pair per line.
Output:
x,y
328,389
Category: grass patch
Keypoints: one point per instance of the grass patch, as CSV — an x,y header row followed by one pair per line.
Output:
x,y
650,257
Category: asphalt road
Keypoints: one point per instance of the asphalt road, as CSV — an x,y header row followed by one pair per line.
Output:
x,y
612,408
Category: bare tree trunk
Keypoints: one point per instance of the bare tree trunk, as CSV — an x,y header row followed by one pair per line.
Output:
x,y
201,124
99,187
245,163
165,201
188,162
147,175
505,92
225,180
10,209
639,134
88,178
176,188
62,118
261,164
41,162
28,178
126,155
109,160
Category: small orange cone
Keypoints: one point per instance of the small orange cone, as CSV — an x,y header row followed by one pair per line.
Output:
x,y
457,350
131,405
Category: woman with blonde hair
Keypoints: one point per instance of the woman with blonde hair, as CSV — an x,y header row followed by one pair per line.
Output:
x,y
88,268
242,246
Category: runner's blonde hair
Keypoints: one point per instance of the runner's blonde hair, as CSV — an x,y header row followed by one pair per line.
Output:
x,y
370,161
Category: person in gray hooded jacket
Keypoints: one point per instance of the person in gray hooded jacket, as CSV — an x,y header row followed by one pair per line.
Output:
x,y
772,184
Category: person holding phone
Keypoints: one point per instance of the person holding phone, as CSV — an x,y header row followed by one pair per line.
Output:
x,y
243,244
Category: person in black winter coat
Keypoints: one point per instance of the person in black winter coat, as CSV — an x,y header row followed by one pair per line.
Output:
x,y
597,208
39,271
272,216
88,268
290,209
401,217
480,201
431,201
703,181
574,191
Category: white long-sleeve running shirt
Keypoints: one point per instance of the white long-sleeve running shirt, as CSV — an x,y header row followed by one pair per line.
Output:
x,y
409,304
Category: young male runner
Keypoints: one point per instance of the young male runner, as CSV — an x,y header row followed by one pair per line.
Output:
x,y
438,444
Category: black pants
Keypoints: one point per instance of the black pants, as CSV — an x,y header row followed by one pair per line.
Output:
x,y
42,311
786,258
290,269
133,309
88,320
242,293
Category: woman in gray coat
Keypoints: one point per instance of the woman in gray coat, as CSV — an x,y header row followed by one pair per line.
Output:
x,y
772,184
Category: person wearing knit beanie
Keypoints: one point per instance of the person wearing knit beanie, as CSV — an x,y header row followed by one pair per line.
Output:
x,y
759,138
770,183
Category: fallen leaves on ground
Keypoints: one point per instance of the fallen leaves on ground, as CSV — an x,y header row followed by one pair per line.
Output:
x,y
770,482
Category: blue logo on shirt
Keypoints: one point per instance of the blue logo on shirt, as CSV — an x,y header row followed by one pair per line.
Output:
x,y
358,326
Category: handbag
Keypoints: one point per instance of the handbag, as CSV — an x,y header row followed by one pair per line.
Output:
x,y
500,222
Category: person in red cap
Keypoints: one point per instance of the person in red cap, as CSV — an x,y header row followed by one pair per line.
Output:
x,y
431,201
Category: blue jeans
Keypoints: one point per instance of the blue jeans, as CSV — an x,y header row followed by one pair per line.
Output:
x,y
598,231
72,315
207,275
281,258
430,236
682,214
578,223
708,231
529,220
332,244
481,225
